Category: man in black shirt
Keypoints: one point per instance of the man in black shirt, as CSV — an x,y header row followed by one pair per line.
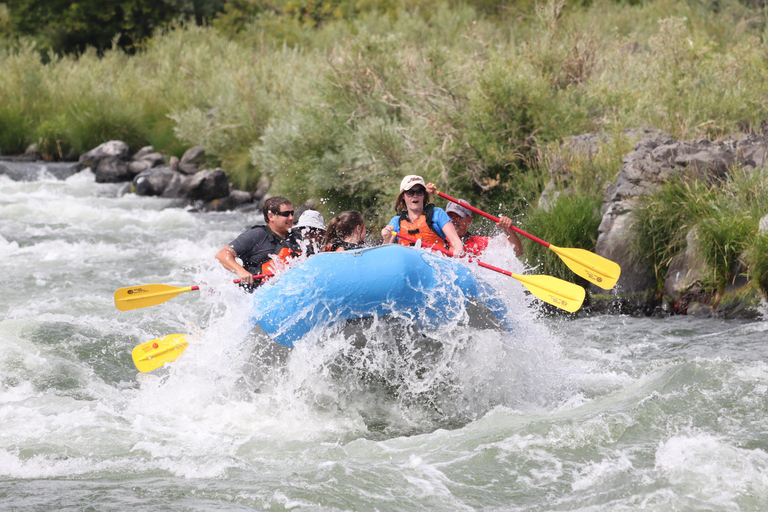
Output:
x,y
256,246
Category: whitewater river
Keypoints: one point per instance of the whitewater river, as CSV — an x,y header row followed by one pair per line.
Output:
x,y
601,413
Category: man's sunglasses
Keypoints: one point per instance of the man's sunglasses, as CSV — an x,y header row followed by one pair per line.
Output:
x,y
284,214
418,192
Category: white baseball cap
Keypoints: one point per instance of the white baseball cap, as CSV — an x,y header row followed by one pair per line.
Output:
x,y
411,181
311,219
458,209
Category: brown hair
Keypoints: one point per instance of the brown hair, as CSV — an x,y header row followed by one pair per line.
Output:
x,y
273,205
342,225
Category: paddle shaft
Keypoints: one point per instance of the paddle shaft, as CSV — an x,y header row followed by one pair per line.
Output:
x,y
491,217
256,276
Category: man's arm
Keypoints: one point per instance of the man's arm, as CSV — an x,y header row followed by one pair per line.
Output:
x,y
505,223
226,257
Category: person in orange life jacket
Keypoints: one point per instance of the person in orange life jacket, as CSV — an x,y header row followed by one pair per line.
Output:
x,y
311,226
475,244
256,246
345,232
420,219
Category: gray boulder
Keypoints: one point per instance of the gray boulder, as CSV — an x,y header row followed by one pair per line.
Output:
x,y
115,149
112,170
207,185
192,159
154,182
651,163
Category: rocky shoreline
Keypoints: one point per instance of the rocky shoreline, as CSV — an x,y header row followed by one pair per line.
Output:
x,y
655,158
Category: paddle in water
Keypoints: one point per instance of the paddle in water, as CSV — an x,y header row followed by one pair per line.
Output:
x,y
595,269
154,354
562,294
145,295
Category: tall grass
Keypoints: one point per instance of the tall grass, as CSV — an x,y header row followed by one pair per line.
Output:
x,y
572,221
725,216
731,230
340,111
663,219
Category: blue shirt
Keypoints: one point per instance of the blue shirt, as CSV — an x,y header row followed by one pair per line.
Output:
x,y
439,220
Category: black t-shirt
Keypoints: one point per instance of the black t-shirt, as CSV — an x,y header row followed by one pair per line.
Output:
x,y
348,246
255,246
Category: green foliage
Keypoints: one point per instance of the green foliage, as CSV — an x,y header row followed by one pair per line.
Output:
x,y
338,99
572,221
725,217
757,259
724,237
64,26
663,219
731,230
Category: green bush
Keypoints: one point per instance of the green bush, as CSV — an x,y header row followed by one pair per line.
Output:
x,y
757,259
723,238
338,100
663,219
726,216
731,230
572,221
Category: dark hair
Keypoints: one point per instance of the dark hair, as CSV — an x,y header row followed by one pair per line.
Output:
x,y
342,225
273,205
400,202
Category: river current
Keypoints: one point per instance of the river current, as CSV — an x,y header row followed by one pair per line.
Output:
x,y
593,413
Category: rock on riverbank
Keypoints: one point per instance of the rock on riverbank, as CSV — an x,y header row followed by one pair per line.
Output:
x,y
656,158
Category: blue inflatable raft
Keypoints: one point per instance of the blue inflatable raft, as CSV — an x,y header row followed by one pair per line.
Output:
x,y
409,283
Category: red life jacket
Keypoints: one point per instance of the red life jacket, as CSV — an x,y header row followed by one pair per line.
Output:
x,y
475,244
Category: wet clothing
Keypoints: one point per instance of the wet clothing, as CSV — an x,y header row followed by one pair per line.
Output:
x,y
348,246
256,246
475,244
428,227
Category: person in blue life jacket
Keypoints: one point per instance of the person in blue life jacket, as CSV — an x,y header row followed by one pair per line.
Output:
x,y
311,227
345,232
418,218
257,246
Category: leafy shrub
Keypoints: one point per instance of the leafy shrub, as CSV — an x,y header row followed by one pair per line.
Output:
x,y
757,258
572,221
663,219
724,237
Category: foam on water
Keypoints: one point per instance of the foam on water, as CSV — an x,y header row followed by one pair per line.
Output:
x,y
593,414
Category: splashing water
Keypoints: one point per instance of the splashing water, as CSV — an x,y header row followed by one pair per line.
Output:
x,y
590,414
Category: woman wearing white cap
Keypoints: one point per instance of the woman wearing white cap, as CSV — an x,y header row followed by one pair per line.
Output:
x,y
421,220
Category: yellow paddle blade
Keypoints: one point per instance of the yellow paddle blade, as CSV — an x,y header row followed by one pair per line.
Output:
x,y
154,354
142,296
595,269
562,294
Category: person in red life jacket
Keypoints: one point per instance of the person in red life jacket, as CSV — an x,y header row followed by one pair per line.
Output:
x,y
311,226
421,220
475,244
257,246
345,232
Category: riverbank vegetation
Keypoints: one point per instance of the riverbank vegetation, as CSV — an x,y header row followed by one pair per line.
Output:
x,y
725,216
338,100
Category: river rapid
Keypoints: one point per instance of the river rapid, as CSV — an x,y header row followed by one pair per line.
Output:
x,y
593,413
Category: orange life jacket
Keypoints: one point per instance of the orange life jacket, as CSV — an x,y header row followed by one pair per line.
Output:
x,y
285,254
421,229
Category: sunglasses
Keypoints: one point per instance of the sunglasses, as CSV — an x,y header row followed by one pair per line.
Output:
x,y
418,192
284,214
